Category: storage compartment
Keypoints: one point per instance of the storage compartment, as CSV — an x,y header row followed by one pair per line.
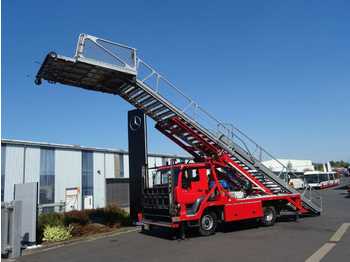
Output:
x,y
243,210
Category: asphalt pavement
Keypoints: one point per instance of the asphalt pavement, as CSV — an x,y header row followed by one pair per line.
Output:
x,y
285,241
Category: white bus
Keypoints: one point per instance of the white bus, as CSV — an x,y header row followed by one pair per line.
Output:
x,y
318,179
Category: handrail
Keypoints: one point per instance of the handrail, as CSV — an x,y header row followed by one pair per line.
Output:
x,y
229,133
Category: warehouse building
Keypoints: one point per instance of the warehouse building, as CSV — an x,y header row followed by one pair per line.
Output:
x,y
298,166
80,177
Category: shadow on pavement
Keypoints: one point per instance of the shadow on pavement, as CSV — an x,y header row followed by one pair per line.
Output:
x,y
170,235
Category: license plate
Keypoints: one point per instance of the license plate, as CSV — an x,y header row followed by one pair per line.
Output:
x,y
146,227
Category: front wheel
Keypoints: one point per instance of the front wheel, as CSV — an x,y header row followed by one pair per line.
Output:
x,y
208,224
269,217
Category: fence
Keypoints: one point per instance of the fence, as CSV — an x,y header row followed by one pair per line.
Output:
x,y
58,207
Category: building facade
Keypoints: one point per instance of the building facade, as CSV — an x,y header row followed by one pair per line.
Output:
x,y
66,173
293,165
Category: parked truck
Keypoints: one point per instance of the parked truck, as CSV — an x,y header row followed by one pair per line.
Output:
x,y
201,195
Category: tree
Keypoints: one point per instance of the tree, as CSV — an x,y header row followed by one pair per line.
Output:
x,y
340,163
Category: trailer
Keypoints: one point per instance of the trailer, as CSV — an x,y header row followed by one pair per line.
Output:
x,y
227,181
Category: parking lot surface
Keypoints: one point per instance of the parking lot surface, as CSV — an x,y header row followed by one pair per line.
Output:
x,y
285,241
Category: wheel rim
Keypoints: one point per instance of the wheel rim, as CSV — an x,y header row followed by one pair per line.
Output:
x,y
207,222
268,215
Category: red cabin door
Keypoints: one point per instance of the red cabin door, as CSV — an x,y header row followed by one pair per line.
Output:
x,y
194,184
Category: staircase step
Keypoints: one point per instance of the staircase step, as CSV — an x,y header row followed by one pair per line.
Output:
x,y
139,95
165,115
128,90
152,105
134,92
147,100
158,110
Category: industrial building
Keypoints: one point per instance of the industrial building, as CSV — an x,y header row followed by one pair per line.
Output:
x,y
298,166
75,175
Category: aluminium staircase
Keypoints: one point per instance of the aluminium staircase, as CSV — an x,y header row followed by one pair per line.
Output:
x,y
104,66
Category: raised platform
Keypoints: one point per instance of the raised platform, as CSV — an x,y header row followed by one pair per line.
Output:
x,y
85,73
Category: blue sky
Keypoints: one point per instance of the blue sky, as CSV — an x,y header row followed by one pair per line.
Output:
x,y
279,70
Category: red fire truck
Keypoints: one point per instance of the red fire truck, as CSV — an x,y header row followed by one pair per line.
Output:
x,y
204,194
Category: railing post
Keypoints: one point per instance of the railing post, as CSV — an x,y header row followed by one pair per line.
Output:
x,y
80,46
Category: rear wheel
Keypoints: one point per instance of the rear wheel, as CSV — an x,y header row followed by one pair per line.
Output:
x,y
208,224
146,228
269,217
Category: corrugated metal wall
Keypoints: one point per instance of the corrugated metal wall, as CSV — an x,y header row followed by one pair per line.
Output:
x,y
68,172
109,165
14,170
32,164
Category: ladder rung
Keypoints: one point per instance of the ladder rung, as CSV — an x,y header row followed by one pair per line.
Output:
x,y
147,100
134,92
195,143
138,98
152,105
173,127
158,109
124,87
165,115
128,89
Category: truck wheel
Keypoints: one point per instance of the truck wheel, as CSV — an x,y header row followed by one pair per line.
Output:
x,y
146,230
269,217
208,223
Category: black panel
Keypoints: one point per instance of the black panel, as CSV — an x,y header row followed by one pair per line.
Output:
x,y
137,134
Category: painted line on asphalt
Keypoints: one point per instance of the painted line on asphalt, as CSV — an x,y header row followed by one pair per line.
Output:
x,y
327,247
321,253
340,232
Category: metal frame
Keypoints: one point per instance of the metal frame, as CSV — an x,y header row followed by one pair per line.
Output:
x,y
80,53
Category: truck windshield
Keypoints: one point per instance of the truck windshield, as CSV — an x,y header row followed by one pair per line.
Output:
x,y
161,177
312,178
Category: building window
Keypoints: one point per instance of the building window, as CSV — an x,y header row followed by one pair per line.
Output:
x,y
87,174
3,167
47,176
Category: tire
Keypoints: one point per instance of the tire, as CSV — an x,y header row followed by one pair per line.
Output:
x,y
145,231
269,217
208,224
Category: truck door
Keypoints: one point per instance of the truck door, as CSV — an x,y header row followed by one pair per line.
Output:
x,y
194,184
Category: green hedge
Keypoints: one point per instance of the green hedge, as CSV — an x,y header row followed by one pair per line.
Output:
x,y
109,216
76,217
